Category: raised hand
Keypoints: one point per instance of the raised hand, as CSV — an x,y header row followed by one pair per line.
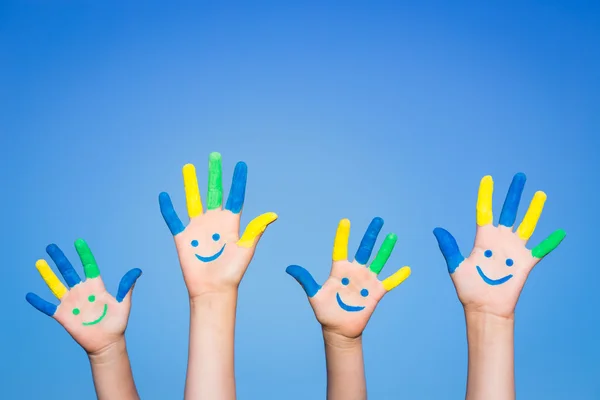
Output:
x,y
87,311
491,279
212,254
344,304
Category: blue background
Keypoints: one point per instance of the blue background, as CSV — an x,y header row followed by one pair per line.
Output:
x,y
370,108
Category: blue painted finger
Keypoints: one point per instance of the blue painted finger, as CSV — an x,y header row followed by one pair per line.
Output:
x,y
237,193
513,198
304,278
40,304
127,282
63,264
368,241
449,248
169,214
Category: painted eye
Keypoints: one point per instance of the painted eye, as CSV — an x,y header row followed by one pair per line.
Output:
x,y
216,237
194,243
488,253
364,293
345,281
91,298
509,262
76,311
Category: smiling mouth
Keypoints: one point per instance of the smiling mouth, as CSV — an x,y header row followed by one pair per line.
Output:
x,y
492,281
345,306
213,257
99,319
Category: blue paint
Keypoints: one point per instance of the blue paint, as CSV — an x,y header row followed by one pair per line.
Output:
x,y
345,306
509,262
213,257
449,249
488,253
492,282
513,198
345,281
127,282
64,266
364,293
40,304
216,237
235,201
368,241
194,243
304,278
169,214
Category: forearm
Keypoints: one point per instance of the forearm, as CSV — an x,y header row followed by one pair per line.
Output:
x,y
210,373
345,367
491,357
112,374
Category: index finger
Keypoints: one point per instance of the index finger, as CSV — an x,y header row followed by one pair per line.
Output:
x,y
90,267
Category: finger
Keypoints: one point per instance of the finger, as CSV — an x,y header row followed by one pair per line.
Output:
x,y
169,214
532,216
235,201
40,304
304,278
255,228
90,267
192,192
548,244
64,266
127,282
513,198
399,276
449,249
384,253
368,241
484,201
340,243
215,182
56,286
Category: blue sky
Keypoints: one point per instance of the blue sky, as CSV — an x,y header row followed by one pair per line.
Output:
x,y
340,111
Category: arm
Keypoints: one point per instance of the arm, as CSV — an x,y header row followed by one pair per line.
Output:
x,y
345,367
112,374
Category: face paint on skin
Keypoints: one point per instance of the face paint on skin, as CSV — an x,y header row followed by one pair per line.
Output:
x,y
216,238
346,307
91,299
493,282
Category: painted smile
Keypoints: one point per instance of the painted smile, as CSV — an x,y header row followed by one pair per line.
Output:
x,y
213,257
99,319
345,306
492,281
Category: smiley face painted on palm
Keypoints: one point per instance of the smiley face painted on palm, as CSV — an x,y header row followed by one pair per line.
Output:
x,y
346,307
77,311
509,262
208,258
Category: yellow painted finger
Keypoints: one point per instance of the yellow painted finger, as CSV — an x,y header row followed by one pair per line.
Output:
x,y
525,230
55,285
399,276
340,243
255,228
485,215
192,192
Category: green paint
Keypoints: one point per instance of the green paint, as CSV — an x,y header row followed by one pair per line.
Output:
x,y
91,298
76,311
384,253
99,319
90,268
548,244
215,182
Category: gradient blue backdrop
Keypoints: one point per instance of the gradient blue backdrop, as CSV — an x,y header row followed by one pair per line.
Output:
x,y
370,108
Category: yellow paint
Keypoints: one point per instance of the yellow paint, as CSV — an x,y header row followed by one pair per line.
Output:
x,y
255,228
485,215
396,279
532,216
340,243
55,285
192,193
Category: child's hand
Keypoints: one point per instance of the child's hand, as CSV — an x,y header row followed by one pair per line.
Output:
x,y
344,304
490,280
212,255
87,311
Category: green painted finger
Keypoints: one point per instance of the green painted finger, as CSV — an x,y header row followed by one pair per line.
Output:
x,y
90,268
215,182
548,244
384,253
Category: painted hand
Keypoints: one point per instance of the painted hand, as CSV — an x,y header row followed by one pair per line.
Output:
x,y
87,311
211,253
344,304
490,280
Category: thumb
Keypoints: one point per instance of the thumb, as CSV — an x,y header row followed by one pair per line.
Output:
x,y
127,283
304,278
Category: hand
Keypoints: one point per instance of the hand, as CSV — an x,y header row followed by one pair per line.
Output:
x,y
344,304
87,311
490,280
212,255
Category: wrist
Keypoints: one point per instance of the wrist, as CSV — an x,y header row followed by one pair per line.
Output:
x,y
339,341
210,296
109,353
488,329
